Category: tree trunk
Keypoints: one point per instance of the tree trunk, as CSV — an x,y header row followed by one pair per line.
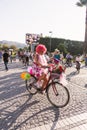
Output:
x,y
85,42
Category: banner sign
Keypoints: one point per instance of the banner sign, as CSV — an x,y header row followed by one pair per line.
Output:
x,y
32,38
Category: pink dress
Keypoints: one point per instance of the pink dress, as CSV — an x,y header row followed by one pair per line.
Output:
x,y
43,61
37,70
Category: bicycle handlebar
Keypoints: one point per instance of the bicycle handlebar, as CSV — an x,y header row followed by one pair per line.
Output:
x,y
45,67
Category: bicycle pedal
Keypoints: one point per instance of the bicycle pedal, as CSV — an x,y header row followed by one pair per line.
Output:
x,y
57,94
39,90
30,86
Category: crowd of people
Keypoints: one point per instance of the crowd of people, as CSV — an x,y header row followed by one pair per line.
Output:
x,y
26,57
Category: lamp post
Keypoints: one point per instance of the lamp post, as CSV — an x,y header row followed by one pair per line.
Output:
x,y
50,39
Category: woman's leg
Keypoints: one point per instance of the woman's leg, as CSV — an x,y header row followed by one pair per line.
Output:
x,y
45,80
6,65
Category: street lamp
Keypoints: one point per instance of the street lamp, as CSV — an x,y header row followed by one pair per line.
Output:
x,y
50,39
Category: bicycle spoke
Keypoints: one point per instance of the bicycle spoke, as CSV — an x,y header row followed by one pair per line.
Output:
x,y
30,85
57,94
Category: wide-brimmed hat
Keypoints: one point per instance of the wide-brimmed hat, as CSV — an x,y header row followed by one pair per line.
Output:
x,y
56,50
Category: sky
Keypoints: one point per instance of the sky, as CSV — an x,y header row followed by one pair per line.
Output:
x,y
62,17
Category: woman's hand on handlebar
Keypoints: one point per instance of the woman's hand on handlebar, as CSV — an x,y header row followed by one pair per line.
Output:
x,y
45,66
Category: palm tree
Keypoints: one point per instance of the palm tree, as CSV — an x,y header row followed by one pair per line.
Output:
x,y
82,3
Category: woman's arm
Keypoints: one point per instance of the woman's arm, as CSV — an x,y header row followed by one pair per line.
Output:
x,y
36,60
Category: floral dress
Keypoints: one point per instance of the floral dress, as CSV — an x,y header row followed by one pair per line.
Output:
x,y
36,70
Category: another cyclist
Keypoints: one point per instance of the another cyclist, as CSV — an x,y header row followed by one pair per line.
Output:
x,y
58,68
69,58
56,54
78,59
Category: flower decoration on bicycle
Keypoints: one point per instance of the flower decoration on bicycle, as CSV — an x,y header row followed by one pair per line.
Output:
x,y
25,75
58,68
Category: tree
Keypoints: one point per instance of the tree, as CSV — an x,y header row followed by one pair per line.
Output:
x,y
13,47
5,47
62,48
82,3
0,46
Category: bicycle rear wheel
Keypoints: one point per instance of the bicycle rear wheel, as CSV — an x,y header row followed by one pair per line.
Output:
x,y
30,85
57,94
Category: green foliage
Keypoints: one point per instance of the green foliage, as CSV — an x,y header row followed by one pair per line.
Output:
x,y
74,47
20,49
5,46
13,47
0,46
81,3
62,48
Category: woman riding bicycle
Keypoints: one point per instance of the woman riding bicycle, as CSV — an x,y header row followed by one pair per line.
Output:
x,y
56,92
39,63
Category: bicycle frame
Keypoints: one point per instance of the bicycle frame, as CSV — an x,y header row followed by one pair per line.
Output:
x,y
51,79
54,90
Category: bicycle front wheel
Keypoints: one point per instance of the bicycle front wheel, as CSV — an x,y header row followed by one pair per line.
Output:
x,y
30,85
58,95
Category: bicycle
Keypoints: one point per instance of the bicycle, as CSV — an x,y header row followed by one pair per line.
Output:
x,y
68,63
57,94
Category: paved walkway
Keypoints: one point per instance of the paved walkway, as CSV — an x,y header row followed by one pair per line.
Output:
x,y
21,111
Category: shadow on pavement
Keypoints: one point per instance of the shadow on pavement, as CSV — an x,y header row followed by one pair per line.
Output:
x,y
19,109
11,85
69,76
11,117
55,110
13,65
85,86
8,121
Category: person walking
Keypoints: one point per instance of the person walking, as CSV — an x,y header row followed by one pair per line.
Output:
x,y
27,55
10,55
69,58
5,59
78,60
85,58
0,55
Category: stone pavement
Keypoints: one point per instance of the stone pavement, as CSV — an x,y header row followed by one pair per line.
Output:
x,y
21,111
